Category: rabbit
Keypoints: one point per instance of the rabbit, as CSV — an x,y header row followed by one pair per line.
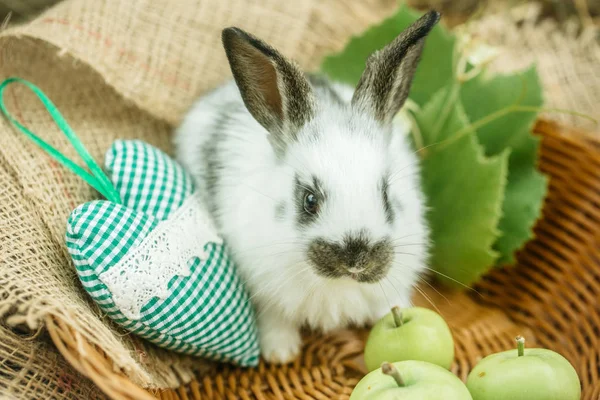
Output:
x,y
313,188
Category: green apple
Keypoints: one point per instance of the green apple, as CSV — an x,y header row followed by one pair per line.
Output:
x,y
411,334
524,374
410,380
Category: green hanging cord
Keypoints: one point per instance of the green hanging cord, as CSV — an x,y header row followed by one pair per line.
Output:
x,y
97,179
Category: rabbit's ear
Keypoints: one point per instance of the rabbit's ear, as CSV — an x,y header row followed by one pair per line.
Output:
x,y
274,89
385,83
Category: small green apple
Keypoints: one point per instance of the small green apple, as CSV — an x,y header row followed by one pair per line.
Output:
x,y
532,374
410,380
411,334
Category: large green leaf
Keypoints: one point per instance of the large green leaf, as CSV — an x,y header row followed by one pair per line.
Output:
x,y
464,189
526,186
434,70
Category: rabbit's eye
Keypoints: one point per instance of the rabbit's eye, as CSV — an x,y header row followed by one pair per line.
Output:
x,y
311,203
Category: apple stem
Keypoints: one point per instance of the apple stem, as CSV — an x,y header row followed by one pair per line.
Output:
x,y
397,313
520,346
389,369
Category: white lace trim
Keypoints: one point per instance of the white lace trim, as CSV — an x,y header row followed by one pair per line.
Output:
x,y
147,269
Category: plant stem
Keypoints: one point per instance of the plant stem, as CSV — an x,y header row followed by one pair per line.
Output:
x,y
520,346
556,110
397,314
392,371
474,126
494,116
449,102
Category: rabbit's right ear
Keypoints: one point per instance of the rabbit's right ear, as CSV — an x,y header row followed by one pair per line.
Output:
x,y
385,84
274,90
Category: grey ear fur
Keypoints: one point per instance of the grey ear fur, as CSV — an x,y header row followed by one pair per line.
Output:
x,y
274,89
385,84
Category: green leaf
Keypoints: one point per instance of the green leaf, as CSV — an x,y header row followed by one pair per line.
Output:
x,y
526,186
522,207
434,70
464,189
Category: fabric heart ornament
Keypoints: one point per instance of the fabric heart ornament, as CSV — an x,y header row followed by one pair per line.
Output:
x,y
150,256
155,263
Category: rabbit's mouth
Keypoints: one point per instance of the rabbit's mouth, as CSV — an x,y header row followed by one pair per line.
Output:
x,y
355,258
372,275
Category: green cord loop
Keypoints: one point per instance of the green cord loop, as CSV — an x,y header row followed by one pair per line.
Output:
x,y
97,178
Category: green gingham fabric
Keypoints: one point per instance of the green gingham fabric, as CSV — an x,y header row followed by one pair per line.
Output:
x,y
208,312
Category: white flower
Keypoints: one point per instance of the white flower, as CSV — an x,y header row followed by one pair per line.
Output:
x,y
482,54
475,52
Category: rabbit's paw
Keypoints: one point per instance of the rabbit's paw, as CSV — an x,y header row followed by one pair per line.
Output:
x,y
279,343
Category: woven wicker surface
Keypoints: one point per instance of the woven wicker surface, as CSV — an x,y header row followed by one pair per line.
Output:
x,y
550,297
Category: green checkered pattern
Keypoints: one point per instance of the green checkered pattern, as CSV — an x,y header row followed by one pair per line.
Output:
x,y
206,314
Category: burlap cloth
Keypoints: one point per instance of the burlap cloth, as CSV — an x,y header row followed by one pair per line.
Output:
x,y
130,69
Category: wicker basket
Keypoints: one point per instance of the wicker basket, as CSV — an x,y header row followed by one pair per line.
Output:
x,y
551,297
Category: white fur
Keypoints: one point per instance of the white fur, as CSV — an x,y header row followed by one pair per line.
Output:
x,y
350,154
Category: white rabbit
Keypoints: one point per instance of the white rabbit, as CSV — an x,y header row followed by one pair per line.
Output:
x,y
314,189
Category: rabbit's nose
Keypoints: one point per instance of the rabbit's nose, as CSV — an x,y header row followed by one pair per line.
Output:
x,y
355,256
354,253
